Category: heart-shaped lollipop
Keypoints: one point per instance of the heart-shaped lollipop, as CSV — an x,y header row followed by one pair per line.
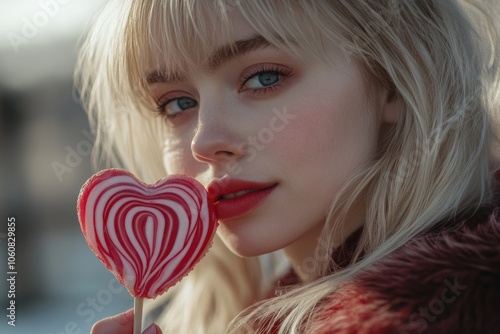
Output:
x,y
148,236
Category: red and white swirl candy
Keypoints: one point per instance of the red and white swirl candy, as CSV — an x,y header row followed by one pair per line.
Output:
x,y
149,236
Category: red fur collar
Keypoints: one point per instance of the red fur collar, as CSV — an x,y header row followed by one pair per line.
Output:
x,y
444,281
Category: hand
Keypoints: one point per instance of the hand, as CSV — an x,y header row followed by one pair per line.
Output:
x,y
122,323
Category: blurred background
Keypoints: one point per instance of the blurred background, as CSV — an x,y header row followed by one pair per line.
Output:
x,y
45,143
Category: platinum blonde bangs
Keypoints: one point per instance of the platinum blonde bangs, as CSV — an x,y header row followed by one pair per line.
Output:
x,y
175,37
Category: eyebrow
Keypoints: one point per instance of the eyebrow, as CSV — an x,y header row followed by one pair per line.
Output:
x,y
221,56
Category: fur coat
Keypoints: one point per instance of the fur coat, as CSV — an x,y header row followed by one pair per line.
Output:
x,y
444,281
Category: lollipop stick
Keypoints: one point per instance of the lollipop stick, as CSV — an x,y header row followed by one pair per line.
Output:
x,y
137,315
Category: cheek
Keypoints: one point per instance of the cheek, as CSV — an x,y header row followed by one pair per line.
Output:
x,y
335,134
312,131
177,157
297,142
173,162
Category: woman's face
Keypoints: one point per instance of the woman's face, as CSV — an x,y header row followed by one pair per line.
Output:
x,y
273,138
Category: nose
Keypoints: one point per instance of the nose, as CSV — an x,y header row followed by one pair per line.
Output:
x,y
218,137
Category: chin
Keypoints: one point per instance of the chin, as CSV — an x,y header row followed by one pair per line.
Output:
x,y
249,247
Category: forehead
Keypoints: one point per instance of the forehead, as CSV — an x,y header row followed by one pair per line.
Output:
x,y
222,55
180,41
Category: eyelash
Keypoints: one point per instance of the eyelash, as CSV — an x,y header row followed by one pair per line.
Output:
x,y
162,103
284,74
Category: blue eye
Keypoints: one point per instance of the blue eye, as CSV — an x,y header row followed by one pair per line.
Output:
x,y
185,102
265,78
172,107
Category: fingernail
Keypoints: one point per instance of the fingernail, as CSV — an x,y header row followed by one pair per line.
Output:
x,y
130,313
152,329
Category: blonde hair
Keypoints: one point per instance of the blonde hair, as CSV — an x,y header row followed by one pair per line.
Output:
x,y
440,59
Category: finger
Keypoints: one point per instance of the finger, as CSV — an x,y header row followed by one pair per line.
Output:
x,y
122,323
152,329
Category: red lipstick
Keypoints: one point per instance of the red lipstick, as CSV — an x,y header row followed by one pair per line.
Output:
x,y
233,197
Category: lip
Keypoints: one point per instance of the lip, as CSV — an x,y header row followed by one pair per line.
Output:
x,y
234,207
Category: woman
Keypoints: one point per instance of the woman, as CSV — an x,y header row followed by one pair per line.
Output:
x,y
355,137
